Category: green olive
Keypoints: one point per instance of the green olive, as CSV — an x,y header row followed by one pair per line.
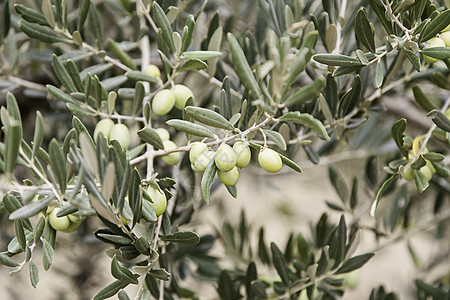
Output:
x,y
197,149
163,102
445,36
243,154
163,134
74,218
202,161
153,71
409,174
225,158
120,133
446,29
58,223
430,165
159,200
229,178
425,170
103,127
182,94
171,158
433,43
72,227
270,160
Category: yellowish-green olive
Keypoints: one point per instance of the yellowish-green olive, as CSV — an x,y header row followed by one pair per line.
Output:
x,y
409,174
433,43
182,94
445,36
152,70
202,161
446,29
427,172
171,158
225,158
58,223
243,154
270,160
120,133
229,178
163,102
163,133
196,149
103,127
159,200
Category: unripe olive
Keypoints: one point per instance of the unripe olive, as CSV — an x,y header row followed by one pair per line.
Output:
x,y
58,223
243,154
72,227
163,102
152,70
446,29
225,158
171,158
270,160
427,172
159,200
120,133
202,161
229,178
103,127
409,174
197,149
182,94
163,134
433,43
445,36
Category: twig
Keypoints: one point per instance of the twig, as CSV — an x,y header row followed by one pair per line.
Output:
x,y
27,84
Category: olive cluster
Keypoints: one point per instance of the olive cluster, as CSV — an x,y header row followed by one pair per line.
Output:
x,y
112,131
166,99
228,159
441,40
428,169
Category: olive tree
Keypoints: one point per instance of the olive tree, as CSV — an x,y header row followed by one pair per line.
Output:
x,y
122,135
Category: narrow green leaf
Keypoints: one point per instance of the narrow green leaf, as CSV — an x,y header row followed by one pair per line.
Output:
x,y
242,67
30,209
58,163
63,75
47,254
151,136
7,261
413,58
121,55
96,26
29,14
380,11
139,76
20,234
191,128
187,33
440,119
110,290
215,43
163,23
193,64
135,196
183,237
378,76
207,180
351,98
94,70
41,33
122,273
441,53
428,289
354,263
380,192
279,263
434,156
57,93
363,30
160,274
422,99
75,75
48,12
306,93
436,26
39,229
277,138
208,117
397,132
337,60
34,274
200,55
138,97
83,13
307,120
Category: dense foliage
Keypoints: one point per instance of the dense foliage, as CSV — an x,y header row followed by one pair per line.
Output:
x,y
136,104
